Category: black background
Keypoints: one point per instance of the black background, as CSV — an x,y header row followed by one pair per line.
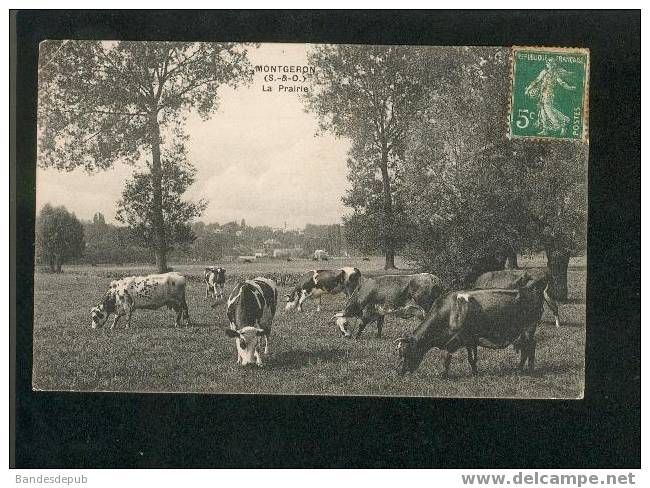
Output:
x,y
142,430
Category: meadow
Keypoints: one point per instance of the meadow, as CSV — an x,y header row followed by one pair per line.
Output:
x,y
307,354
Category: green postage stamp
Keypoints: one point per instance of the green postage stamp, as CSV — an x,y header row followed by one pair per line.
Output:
x,y
549,93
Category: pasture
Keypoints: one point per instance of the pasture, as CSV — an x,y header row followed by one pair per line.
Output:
x,y
308,355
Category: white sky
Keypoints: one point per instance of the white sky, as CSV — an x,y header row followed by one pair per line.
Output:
x,y
257,158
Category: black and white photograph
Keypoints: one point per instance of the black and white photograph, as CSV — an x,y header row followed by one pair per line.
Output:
x,y
357,240
311,219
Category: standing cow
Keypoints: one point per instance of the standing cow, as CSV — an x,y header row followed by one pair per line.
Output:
x,y
151,292
518,278
320,255
215,279
251,307
404,296
488,318
316,283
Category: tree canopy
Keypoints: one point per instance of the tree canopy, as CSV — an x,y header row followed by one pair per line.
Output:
x,y
135,208
59,237
102,102
370,95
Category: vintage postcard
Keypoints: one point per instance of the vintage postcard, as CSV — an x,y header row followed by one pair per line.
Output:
x,y
310,219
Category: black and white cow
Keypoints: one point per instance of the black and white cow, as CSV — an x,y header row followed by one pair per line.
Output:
x,y
251,308
142,292
315,283
404,296
215,279
492,318
512,279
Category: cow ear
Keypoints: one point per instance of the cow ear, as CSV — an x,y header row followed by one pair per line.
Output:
x,y
260,332
232,333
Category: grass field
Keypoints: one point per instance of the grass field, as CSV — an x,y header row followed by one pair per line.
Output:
x,y
308,356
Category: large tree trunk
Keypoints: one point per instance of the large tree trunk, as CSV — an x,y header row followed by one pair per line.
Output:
x,y
558,264
389,218
156,177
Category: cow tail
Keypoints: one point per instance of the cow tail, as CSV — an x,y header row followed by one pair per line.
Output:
x,y
550,301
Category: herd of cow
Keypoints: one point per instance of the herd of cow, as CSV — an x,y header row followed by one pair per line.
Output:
x,y
503,308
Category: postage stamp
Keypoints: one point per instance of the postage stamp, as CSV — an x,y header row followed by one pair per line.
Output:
x,y
549,93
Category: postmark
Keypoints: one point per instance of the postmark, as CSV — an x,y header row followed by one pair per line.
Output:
x,y
549,93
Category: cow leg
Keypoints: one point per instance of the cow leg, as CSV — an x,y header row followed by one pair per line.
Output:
x,y
207,289
448,358
472,358
187,313
266,344
116,319
320,302
128,318
532,345
523,348
301,300
380,325
179,315
364,322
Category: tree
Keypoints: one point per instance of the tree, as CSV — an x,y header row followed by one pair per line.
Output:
x,y
557,207
98,219
59,237
136,208
102,102
370,94
475,196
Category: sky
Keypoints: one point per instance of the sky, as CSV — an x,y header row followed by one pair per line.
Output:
x,y
257,158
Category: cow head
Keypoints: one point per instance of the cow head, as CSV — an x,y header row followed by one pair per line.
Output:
x,y
458,314
293,299
345,324
409,355
248,344
99,314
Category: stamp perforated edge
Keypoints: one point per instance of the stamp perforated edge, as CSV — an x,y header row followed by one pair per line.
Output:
x,y
585,101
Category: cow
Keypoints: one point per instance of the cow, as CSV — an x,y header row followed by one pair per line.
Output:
x,y
251,307
320,255
126,295
215,279
492,318
404,296
516,278
315,283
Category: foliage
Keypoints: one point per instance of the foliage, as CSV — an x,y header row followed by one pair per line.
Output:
x,y
59,237
111,244
476,196
370,94
136,208
102,102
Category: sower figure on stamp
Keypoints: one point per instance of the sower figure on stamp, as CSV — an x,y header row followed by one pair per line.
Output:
x,y
550,118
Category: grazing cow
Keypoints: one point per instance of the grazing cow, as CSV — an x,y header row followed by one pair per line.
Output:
x,y
251,307
215,279
142,292
517,278
489,318
320,255
404,296
315,283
